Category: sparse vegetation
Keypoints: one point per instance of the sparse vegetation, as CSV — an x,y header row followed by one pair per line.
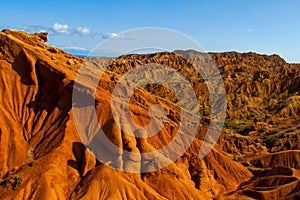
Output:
x,y
262,130
290,131
269,141
229,125
243,130
4,183
235,157
246,130
274,131
15,182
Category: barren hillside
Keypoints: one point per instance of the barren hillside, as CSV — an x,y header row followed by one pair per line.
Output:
x,y
42,156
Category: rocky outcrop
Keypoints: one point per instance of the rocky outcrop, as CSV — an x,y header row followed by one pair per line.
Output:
x,y
42,156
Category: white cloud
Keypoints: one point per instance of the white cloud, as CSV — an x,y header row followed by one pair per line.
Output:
x,y
250,30
64,29
84,31
61,28
74,48
34,29
113,36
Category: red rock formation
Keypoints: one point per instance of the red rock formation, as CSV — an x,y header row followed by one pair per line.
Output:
x,y
42,156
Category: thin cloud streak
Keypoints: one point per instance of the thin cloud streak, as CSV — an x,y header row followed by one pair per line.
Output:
x,y
66,30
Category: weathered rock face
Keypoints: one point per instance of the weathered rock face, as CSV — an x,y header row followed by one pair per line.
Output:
x,y
35,104
42,156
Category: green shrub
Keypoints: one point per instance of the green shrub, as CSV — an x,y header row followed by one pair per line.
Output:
x,y
262,130
229,125
235,157
238,128
269,140
246,130
5,183
15,181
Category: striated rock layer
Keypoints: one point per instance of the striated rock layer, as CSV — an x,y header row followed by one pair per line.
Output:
x,y
42,156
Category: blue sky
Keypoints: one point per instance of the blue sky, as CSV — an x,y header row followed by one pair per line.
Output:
x,y
269,26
